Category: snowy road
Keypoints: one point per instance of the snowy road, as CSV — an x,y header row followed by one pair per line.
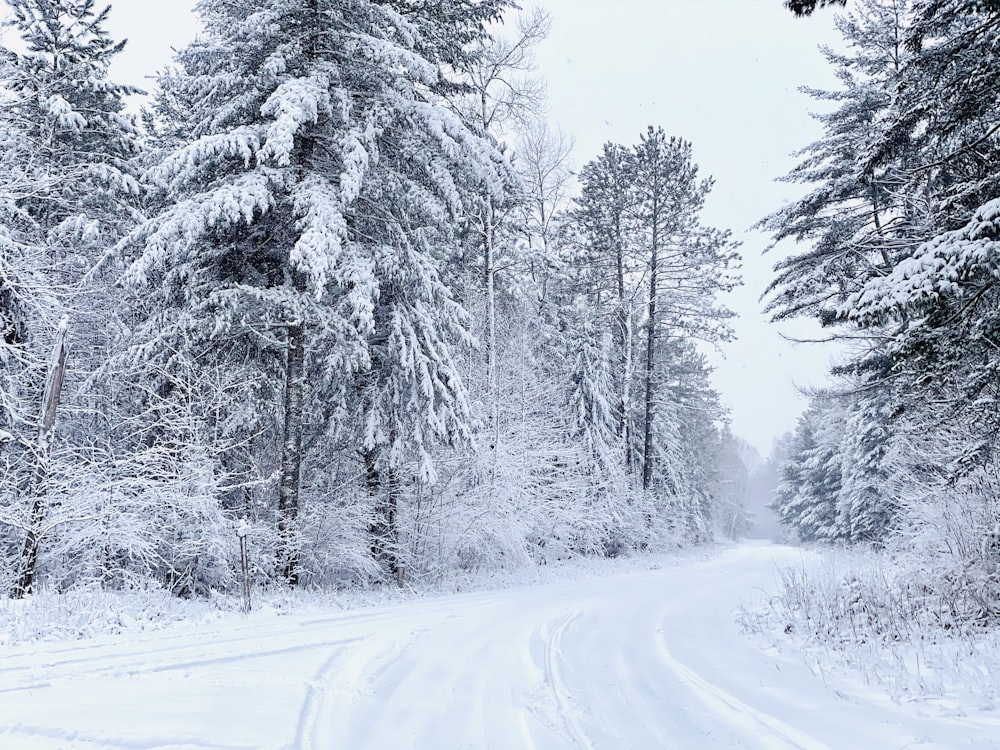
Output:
x,y
642,660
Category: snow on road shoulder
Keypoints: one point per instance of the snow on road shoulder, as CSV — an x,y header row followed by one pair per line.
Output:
x,y
847,640
88,611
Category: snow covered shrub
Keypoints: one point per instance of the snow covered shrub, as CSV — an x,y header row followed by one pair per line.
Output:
x,y
87,609
855,597
335,548
948,546
153,515
857,609
939,571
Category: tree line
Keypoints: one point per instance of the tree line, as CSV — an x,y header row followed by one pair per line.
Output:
x,y
899,229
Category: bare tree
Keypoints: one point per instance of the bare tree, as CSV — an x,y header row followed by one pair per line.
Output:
x,y
543,161
506,95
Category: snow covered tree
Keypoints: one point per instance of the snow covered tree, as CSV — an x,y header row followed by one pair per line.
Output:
x,y
901,227
690,260
607,258
853,219
69,192
866,510
501,95
641,235
806,7
807,497
736,462
305,221
542,160
591,397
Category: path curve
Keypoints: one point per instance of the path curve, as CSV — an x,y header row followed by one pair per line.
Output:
x,y
647,659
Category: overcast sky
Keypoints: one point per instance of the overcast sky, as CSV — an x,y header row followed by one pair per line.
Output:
x,y
723,74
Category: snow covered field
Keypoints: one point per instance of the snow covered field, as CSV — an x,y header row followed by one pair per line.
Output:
x,y
644,659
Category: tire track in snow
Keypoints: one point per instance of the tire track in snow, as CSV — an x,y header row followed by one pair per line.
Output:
x,y
557,684
40,677
350,668
54,655
316,691
733,710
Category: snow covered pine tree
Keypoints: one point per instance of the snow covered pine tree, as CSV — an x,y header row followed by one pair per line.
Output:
x,y
304,223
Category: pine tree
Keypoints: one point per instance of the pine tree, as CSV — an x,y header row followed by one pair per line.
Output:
x,y
806,500
937,300
854,217
692,261
607,258
866,511
593,423
306,219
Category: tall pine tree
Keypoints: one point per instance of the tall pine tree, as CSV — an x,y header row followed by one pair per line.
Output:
x,y
305,222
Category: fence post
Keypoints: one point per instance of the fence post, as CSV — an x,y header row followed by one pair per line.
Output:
x,y
241,532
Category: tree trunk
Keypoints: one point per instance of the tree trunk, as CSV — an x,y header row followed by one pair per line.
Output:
x,y
291,456
624,343
626,396
489,283
382,530
43,447
295,376
647,449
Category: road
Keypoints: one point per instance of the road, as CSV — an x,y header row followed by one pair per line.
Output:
x,y
650,659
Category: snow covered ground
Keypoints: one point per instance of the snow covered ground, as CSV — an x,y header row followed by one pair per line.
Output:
x,y
650,658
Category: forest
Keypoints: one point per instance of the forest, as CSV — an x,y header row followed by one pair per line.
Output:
x,y
333,293
898,259
333,309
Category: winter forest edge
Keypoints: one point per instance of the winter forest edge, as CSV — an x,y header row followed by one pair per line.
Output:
x,y
337,292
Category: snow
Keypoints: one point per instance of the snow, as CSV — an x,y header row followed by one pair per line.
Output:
x,y
650,656
945,265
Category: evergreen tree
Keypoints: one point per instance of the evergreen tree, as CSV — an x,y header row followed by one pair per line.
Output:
x,y
692,261
853,219
306,219
607,261
807,497
591,400
866,511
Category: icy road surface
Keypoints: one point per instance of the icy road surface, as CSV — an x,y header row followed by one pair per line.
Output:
x,y
638,661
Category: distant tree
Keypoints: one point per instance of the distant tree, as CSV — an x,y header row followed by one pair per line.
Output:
x,y
732,514
806,7
692,261
807,497
866,509
649,268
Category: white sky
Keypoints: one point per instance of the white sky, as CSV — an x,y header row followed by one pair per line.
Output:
x,y
721,73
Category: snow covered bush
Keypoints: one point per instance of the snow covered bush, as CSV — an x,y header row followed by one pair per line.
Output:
x,y
857,610
939,569
87,610
948,548
335,547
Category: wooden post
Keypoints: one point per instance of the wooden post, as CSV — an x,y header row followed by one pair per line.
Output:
x,y
241,532
43,447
